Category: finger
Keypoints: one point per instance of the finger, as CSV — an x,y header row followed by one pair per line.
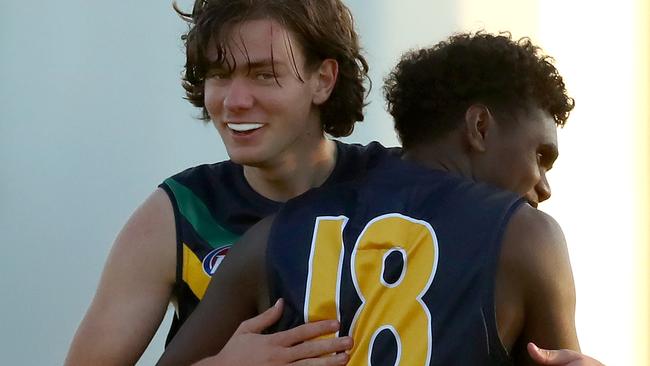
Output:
x,y
262,321
305,332
551,357
320,347
332,360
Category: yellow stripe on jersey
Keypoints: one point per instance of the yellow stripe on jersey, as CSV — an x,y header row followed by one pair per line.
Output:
x,y
193,273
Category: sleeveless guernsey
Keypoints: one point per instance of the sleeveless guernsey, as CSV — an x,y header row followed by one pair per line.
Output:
x,y
404,257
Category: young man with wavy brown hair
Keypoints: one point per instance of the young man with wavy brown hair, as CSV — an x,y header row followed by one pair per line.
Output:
x,y
273,77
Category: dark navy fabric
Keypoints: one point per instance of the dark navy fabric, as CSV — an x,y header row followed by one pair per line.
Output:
x,y
468,220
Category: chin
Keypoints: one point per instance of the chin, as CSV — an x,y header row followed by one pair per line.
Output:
x,y
258,156
249,159
244,160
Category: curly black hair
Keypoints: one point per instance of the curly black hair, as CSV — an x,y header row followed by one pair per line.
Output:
x,y
430,89
324,29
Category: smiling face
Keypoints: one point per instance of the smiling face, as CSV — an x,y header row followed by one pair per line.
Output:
x,y
262,109
518,155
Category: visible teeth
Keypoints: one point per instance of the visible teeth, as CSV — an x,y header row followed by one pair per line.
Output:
x,y
243,127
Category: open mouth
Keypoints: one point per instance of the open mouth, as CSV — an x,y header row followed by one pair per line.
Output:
x,y
244,128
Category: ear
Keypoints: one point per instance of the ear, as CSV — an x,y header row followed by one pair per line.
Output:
x,y
326,77
478,122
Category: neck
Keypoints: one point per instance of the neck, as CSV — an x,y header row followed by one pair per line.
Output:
x,y
444,154
295,173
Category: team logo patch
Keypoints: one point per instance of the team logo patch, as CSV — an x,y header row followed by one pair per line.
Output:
x,y
212,261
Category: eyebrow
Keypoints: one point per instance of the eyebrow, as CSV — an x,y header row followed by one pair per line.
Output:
x,y
263,63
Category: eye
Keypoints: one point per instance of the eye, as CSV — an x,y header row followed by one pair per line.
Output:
x,y
265,75
218,74
546,156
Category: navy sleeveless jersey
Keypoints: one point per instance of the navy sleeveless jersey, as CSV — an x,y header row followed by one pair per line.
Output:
x,y
404,257
214,205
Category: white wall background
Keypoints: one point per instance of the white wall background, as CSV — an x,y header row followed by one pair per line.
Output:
x,y
92,119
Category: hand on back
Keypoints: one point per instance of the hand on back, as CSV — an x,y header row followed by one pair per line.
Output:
x,y
297,346
562,357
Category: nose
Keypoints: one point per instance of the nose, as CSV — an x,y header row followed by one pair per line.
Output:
x,y
543,188
540,192
238,96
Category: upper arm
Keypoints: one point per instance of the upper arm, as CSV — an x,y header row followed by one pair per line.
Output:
x,y
134,289
231,298
536,261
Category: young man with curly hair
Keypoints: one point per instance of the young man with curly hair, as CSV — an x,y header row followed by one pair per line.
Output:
x,y
273,77
436,258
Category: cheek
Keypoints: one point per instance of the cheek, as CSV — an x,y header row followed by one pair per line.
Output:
x,y
529,178
212,100
292,105
515,173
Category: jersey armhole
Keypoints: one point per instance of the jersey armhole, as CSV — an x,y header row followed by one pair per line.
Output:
x,y
498,352
179,246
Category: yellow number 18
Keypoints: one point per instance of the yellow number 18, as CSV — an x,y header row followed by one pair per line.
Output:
x,y
396,306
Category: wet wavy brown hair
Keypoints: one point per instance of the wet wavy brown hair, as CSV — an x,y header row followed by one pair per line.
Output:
x,y
324,29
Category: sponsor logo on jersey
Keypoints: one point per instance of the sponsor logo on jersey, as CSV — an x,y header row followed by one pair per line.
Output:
x,y
212,261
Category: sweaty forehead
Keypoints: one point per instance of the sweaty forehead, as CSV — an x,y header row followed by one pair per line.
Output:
x,y
255,41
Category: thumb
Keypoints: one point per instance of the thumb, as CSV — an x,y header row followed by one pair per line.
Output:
x,y
551,357
264,320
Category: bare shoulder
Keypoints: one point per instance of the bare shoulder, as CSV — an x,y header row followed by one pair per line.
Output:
x,y
254,239
153,219
535,249
535,266
150,233
533,230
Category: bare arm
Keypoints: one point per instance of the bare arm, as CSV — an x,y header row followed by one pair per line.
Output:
x,y
134,290
535,292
